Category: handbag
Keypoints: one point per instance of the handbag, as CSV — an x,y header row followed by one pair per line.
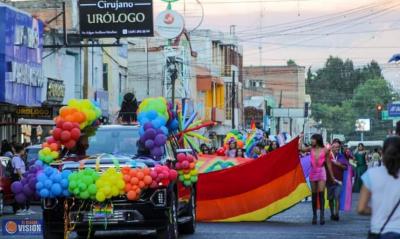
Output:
x,y
372,235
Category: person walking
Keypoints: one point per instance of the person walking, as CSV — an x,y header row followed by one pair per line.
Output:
x,y
19,168
375,159
339,165
319,160
380,193
361,166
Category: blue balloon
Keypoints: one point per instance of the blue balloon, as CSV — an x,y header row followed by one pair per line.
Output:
x,y
148,125
39,163
144,121
39,186
41,177
66,193
48,171
44,193
140,116
151,114
64,183
48,183
162,121
56,189
141,131
55,177
156,123
65,174
164,130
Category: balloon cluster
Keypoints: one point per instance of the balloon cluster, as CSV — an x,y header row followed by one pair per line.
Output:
x,y
234,136
252,140
153,116
26,188
84,112
51,183
73,118
67,133
173,122
109,184
186,167
136,180
162,176
82,184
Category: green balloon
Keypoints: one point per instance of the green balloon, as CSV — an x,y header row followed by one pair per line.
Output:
x,y
84,195
82,187
87,180
72,184
92,189
76,191
193,179
73,177
187,183
181,178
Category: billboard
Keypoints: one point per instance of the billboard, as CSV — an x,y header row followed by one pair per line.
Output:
x,y
394,110
116,18
363,125
21,76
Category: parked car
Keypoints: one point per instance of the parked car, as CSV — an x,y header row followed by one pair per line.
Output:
x,y
166,210
32,153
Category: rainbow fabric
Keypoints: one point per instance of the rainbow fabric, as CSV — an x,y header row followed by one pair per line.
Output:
x,y
211,163
253,191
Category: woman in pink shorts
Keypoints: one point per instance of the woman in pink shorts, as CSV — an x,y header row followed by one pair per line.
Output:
x,y
319,161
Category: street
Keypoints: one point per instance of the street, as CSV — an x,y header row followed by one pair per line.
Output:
x,y
293,223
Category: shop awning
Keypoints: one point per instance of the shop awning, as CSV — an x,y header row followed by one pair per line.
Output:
x,y
35,122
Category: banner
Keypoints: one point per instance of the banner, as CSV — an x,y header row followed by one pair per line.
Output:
x,y
22,227
253,191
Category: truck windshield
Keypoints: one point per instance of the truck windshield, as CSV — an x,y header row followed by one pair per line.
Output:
x,y
120,141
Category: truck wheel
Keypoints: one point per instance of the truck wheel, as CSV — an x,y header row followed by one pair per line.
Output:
x,y
85,234
171,230
190,226
1,204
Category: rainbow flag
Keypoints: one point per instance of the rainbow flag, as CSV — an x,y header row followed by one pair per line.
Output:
x,y
211,163
253,191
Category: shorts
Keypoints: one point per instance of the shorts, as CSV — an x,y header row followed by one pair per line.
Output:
x,y
334,191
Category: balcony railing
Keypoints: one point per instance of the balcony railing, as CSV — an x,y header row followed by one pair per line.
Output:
x,y
227,71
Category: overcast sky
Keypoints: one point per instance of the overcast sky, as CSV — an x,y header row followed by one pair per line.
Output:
x,y
358,29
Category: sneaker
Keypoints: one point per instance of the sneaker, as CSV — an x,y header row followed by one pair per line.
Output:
x,y
29,211
20,212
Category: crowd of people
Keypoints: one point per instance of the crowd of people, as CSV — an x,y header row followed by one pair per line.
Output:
x,y
15,169
376,177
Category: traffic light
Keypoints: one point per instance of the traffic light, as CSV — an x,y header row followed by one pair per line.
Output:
x,y
379,107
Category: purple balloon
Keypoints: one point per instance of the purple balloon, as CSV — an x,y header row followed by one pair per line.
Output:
x,y
32,184
149,144
149,134
160,140
27,190
157,152
16,187
148,125
20,198
24,181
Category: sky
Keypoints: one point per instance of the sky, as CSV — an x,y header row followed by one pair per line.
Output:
x,y
362,30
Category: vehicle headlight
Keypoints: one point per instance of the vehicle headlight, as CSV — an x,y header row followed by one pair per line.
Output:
x,y
159,198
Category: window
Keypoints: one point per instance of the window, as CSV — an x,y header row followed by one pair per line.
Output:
x,y
105,77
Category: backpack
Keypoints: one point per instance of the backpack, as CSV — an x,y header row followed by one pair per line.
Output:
x,y
9,169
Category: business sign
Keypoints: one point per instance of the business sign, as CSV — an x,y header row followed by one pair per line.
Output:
x,y
116,18
363,125
394,110
55,90
21,75
22,227
34,112
169,24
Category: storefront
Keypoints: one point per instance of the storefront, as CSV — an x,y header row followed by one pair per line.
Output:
x,y
21,77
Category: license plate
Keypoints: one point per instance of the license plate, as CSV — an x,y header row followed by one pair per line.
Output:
x,y
102,211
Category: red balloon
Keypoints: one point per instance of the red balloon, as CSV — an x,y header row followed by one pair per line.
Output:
x,y
67,126
181,157
75,133
185,164
70,144
65,136
76,125
57,133
173,175
221,152
54,147
60,122
50,140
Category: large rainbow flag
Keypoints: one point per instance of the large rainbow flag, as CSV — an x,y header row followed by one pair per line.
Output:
x,y
255,190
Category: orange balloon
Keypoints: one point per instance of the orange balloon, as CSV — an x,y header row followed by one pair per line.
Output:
x,y
146,171
240,144
69,118
141,184
147,180
127,178
140,175
64,111
138,191
135,187
54,147
128,187
133,173
134,180
45,145
192,165
125,170
132,195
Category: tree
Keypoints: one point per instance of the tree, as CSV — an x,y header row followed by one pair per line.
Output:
x,y
291,62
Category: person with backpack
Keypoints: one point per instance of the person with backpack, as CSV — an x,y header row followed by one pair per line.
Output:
x,y
381,187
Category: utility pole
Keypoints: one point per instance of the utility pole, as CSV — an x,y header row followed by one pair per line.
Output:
x,y
278,125
233,100
85,71
147,67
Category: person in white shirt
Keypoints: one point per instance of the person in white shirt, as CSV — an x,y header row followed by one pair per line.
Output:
x,y
380,193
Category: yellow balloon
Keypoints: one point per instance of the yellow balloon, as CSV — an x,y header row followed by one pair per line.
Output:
x,y
100,196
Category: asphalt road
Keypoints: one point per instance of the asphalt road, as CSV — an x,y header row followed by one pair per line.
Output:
x,y
294,223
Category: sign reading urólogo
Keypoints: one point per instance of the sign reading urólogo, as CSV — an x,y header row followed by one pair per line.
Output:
x,y
116,18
